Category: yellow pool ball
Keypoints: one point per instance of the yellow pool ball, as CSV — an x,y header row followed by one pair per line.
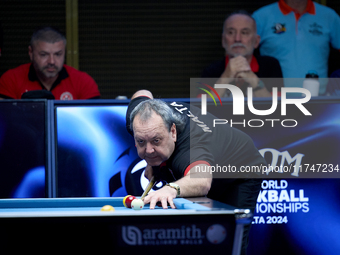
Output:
x,y
107,208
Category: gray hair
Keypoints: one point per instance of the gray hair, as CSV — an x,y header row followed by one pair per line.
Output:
x,y
169,116
47,34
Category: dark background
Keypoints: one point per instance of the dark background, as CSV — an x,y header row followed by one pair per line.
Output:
x,y
131,45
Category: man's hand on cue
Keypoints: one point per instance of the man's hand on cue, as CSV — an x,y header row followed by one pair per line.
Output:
x,y
164,196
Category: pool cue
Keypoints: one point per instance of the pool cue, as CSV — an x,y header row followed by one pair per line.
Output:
x,y
149,187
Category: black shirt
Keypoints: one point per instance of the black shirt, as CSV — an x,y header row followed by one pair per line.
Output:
x,y
222,145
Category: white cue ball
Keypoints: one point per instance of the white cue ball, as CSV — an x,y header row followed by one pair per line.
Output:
x,y
137,204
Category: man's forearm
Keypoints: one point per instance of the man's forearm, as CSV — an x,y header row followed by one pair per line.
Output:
x,y
195,183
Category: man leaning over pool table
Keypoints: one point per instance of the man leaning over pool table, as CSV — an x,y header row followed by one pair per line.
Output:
x,y
173,149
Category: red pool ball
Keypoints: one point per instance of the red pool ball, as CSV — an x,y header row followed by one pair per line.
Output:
x,y
127,200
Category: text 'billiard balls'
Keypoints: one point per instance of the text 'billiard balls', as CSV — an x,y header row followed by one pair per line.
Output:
x,y
127,200
107,208
137,204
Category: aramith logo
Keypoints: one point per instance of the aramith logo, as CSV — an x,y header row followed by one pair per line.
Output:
x,y
183,235
239,103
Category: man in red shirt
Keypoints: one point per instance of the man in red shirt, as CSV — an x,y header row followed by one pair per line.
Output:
x,y
47,76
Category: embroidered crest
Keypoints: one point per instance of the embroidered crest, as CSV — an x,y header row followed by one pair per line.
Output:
x,y
279,28
66,96
315,29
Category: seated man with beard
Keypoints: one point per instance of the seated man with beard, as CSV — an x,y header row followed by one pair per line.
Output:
x,y
240,66
47,76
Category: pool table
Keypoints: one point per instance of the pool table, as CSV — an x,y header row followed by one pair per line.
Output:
x,y
77,225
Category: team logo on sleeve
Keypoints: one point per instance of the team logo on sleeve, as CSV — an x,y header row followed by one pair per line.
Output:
x,y
66,96
279,28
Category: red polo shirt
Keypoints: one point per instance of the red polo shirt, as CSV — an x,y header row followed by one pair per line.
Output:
x,y
71,84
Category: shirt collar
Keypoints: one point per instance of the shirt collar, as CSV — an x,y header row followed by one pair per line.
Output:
x,y
285,8
254,65
32,76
